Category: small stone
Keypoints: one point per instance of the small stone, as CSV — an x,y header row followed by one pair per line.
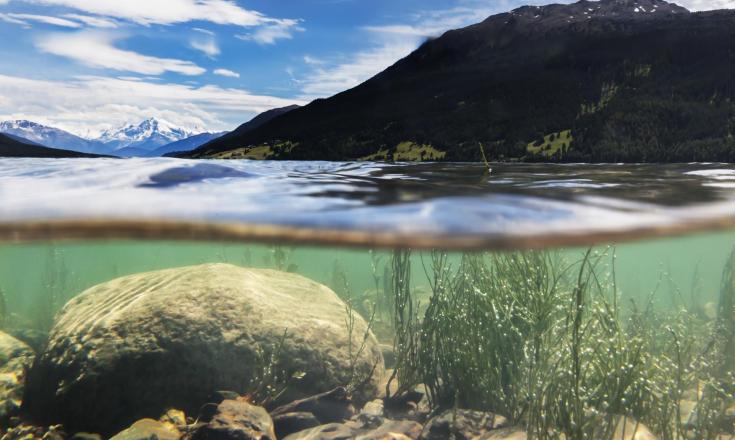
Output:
x,y
331,431
289,423
147,429
372,414
462,424
174,417
237,420
413,405
393,429
505,434
85,436
330,407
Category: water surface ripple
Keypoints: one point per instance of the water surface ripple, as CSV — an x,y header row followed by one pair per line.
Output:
x,y
514,200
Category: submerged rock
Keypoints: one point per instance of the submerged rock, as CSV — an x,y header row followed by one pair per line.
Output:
x,y
30,432
289,423
237,420
15,358
330,431
138,345
332,406
393,429
462,424
147,429
390,429
505,434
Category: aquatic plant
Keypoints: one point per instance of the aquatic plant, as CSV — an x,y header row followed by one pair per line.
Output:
x,y
270,380
406,327
726,312
281,257
547,344
3,308
56,289
357,378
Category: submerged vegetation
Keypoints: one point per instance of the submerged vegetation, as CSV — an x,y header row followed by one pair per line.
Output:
x,y
547,344
545,339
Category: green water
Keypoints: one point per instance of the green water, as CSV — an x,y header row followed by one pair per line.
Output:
x,y
648,316
676,268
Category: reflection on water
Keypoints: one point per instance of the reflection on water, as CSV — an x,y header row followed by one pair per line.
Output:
x,y
513,199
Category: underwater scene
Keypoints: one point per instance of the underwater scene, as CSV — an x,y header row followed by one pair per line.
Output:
x,y
206,340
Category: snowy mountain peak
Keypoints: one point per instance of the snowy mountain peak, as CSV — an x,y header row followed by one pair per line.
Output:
x,y
562,14
18,124
47,136
147,135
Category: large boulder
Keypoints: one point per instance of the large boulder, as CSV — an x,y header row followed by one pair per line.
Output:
x,y
133,347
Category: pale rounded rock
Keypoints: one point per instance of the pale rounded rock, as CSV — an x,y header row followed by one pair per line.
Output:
x,y
136,346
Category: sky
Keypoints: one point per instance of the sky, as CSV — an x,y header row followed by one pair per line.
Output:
x,y
208,65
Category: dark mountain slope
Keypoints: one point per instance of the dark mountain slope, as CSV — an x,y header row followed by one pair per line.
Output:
x,y
263,118
619,80
248,127
10,147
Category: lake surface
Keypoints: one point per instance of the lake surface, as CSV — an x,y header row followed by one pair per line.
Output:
x,y
511,202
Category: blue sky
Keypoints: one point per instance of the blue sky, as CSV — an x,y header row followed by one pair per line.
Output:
x,y
88,65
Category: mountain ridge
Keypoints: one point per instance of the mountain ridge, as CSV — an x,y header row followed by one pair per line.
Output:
x,y
10,147
629,81
49,137
140,139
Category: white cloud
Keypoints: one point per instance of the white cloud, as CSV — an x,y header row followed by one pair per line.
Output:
x,y
308,59
328,80
227,73
166,11
205,44
96,49
204,31
432,23
88,105
8,19
270,33
706,5
23,19
92,21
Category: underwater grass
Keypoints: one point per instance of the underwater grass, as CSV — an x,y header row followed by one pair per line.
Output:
x,y
539,337
547,344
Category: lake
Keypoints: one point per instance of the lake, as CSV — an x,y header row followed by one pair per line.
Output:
x,y
571,300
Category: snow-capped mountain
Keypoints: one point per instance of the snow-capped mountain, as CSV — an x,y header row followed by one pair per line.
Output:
x,y
50,137
146,136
